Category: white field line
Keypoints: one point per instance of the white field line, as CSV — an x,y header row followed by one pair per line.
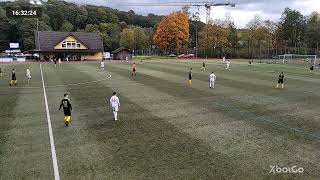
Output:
x,y
53,148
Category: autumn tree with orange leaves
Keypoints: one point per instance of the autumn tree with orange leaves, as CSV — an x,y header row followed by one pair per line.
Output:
x,y
172,31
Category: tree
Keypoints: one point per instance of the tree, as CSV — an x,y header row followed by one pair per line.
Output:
x,y
292,25
172,31
214,35
110,33
313,29
67,27
140,38
4,30
127,38
92,28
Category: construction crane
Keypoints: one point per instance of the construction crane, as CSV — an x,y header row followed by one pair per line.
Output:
x,y
208,5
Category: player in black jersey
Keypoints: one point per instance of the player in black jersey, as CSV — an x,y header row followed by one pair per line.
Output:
x,y
67,108
0,72
203,68
13,78
280,80
190,76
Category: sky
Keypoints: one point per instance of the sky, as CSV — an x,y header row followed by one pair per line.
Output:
x,y
244,11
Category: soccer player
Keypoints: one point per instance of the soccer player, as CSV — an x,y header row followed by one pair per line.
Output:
x,y
115,104
55,62
311,68
250,63
280,81
190,77
59,60
13,78
203,68
133,70
28,74
0,72
212,79
228,65
102,65
67,108
224,58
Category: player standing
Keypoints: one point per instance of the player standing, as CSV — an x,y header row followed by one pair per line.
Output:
x,y
250,63
224,58
311,68
59,60
280,81
190,77
28,74
115,104
55,62
0,72
102,65
67,108
228,65
212,79
13,78
133,72
203,68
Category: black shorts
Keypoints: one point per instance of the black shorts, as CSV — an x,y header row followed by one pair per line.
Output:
x,y
134,70
280,81
67,111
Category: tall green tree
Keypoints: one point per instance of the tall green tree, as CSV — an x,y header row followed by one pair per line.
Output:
x,y
111,34
313,30
292,26
127,38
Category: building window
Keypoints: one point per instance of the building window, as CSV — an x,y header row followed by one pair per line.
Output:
x,y
71,44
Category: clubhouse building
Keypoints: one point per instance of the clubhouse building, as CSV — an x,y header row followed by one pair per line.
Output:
x,y
73,46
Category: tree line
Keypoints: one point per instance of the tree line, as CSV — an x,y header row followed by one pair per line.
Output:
x,y
179,32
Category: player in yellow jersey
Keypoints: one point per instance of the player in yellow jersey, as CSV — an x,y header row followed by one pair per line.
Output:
x,y
13,78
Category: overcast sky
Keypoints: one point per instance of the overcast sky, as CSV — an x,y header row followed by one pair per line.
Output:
x,y
244,11
241,14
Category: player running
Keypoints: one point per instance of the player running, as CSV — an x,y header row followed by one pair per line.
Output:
x,y
190,77
203,68
13,78
67,108
228,65
28,74
115,104
133,72
212,79
102,65
280,81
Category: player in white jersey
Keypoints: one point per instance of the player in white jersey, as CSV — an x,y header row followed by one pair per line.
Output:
x,y
224,59
102,65
59,60
115,104
212,79
28,74
228,65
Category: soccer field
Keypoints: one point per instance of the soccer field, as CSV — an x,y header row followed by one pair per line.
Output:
x,y
166,129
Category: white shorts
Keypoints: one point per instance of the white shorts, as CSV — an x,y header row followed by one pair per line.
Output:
x,y
116,108
29,77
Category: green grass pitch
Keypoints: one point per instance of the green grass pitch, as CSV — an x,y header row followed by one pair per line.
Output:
x,y
166,129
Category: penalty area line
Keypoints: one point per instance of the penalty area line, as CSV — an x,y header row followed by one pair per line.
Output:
x,y
53,148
